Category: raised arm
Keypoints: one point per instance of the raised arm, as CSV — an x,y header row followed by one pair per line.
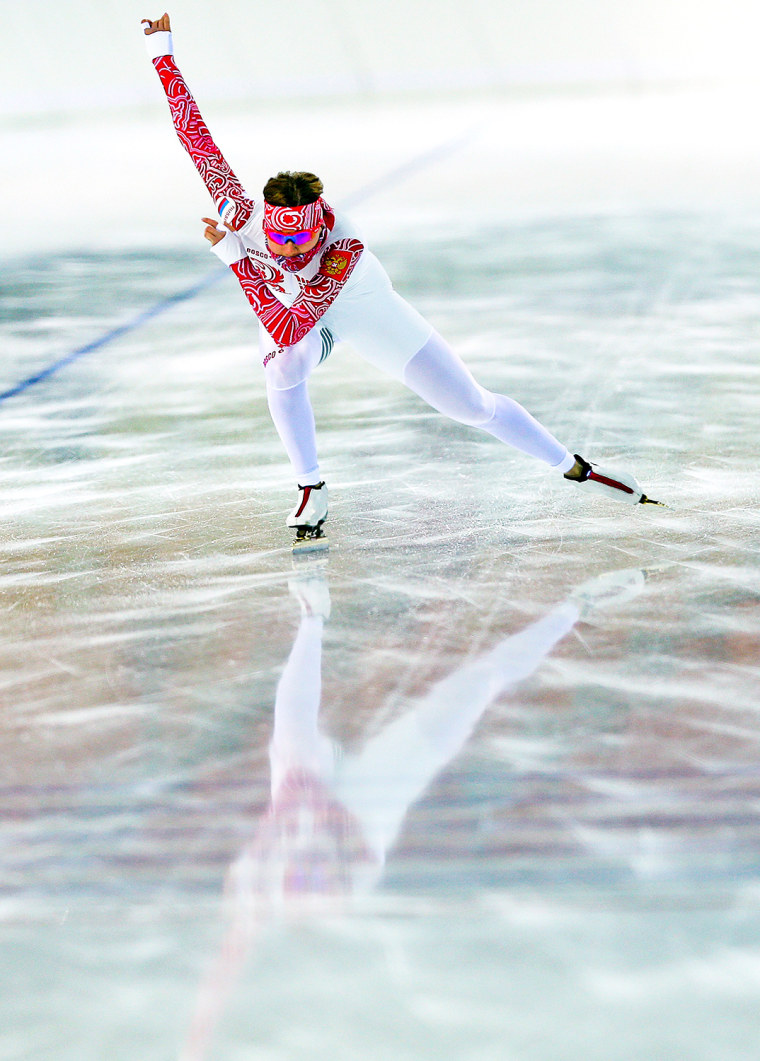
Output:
x,y
225,189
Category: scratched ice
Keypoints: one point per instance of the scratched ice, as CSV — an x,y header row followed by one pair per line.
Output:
x,y
421,800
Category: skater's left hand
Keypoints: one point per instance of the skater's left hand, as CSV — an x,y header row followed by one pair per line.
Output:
x,y
212,232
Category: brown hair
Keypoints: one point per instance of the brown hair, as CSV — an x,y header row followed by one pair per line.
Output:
x,y
292,189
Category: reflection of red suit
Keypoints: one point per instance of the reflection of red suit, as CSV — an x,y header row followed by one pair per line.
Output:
x,y
333,817
318,841
360,799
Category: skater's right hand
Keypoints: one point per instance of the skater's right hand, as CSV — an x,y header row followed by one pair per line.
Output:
x,y
212,233
160,25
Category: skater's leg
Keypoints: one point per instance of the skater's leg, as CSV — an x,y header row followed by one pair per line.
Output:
x,y
293,417
287,371
441,378
297,742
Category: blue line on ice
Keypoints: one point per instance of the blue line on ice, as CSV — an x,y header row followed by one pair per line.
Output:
x,y
406,169
115,333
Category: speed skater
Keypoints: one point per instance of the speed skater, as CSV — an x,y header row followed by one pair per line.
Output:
x,y
310,280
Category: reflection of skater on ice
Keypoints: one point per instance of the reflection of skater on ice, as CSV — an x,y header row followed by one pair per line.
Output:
x,y
310,280
333,816
352,805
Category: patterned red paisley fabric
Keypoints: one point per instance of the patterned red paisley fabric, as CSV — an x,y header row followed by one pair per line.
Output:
x,y
293,218
195,138
289,324
299,219
286,325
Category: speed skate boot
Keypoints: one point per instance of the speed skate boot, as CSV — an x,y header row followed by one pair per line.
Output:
x,y
621,486
307,518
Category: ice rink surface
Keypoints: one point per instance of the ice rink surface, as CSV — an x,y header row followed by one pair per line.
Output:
x,y
518,826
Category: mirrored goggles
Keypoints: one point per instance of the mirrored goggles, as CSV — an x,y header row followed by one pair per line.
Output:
x,y
299,238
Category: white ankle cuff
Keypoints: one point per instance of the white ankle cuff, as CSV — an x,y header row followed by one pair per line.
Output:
x,y
566,463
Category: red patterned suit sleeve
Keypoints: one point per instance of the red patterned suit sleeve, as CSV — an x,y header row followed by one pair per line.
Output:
x,y
195,138
289,324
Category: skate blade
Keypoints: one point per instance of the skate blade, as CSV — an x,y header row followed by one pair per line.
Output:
x,y
644,500
311,543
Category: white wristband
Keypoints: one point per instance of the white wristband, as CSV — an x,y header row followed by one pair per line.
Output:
x,y
229,250
159,44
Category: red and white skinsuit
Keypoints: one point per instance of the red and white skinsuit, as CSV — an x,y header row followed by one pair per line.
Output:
x,y
339,291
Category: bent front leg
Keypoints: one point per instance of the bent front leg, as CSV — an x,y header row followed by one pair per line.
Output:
x,y
287,370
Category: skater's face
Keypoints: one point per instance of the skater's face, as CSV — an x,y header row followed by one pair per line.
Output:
x,y
291,248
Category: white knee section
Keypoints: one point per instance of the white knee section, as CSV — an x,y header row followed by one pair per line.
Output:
x,y
286,367
472,406
441,378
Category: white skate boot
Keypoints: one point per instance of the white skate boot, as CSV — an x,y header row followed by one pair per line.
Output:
x,y
621,486
307,518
